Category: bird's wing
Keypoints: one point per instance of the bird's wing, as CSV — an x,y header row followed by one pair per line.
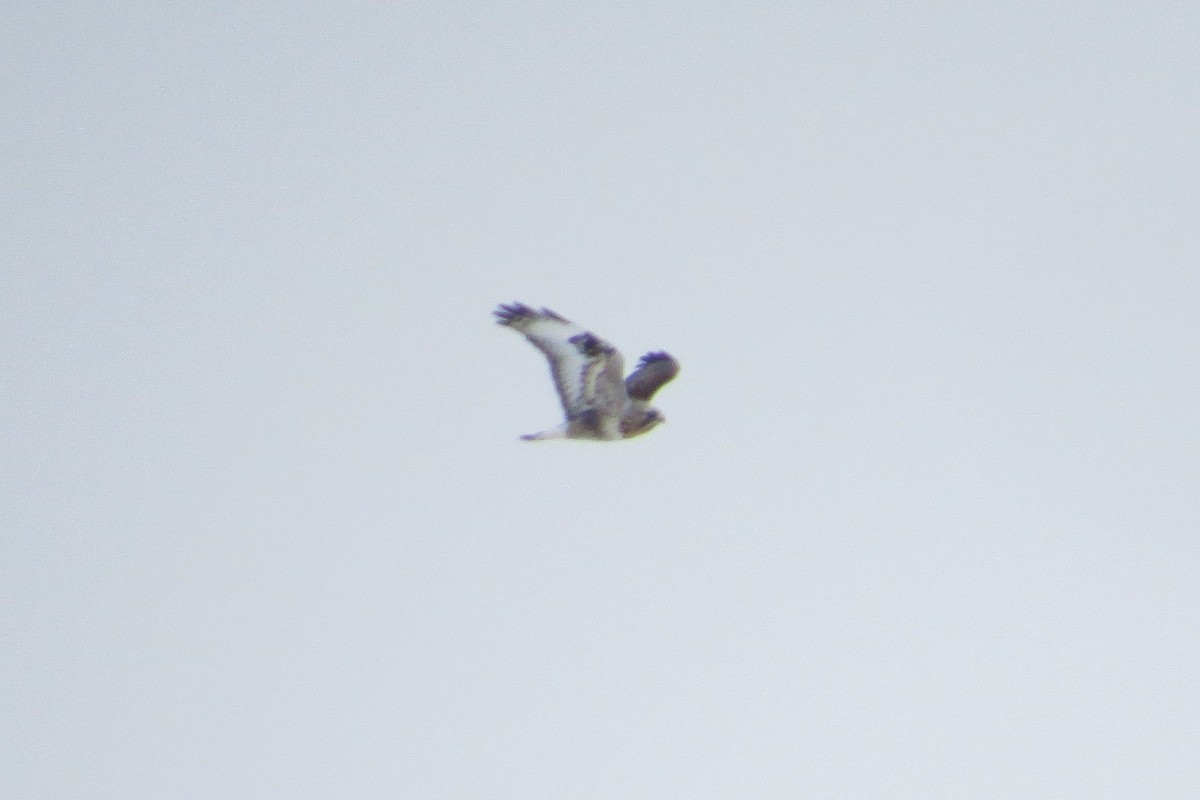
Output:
x,y
652,372
586,369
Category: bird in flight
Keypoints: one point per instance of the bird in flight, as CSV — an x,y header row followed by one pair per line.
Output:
x,y
597,402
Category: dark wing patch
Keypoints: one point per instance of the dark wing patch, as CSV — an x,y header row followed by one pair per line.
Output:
x,y
591,345
652,372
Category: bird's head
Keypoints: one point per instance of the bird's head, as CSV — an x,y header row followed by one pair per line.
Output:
x,y
638,423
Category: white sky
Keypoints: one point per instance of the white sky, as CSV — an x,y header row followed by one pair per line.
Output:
x,y
923,523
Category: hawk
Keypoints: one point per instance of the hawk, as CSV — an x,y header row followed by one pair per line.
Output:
x,y
587,371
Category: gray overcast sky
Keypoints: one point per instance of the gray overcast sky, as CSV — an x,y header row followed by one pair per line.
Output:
x,y
923,523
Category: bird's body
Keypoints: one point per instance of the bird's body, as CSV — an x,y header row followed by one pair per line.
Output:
x,y
597,402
